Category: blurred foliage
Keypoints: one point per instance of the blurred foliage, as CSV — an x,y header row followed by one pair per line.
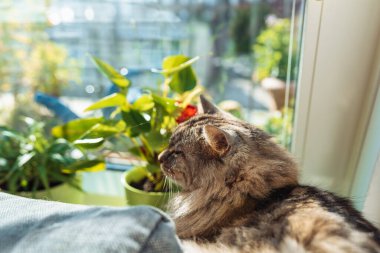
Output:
x,y
233,107
14,116
147,122
30,161
280,126
29,61
271,51
247,22
240,29
49,69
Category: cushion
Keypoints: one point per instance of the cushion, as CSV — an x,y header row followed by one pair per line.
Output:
x,y
38,226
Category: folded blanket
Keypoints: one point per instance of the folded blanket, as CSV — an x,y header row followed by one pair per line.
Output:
x,y
38,226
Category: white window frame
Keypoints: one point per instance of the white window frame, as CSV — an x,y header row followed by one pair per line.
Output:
x,y
336,91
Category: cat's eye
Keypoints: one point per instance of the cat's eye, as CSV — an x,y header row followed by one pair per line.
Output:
x,y
176,153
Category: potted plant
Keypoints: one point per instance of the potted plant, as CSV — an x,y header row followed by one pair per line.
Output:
x,y
146,123
271,55
33,165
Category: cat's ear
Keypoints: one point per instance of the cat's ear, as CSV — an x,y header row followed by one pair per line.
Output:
x,y
208,107
219,140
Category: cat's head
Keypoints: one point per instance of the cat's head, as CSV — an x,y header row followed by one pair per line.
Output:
x,y
215,148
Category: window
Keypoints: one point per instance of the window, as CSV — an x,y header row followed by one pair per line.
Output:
x,y
249,50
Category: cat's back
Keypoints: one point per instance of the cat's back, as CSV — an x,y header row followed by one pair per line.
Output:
x,y
306,217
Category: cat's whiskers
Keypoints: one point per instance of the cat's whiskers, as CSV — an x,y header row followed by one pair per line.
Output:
x,y
165,182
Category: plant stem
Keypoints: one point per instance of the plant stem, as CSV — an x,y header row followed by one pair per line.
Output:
x,y
147,147
142,155
165,91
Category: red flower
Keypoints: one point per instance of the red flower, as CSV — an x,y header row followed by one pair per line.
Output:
x,y
187,113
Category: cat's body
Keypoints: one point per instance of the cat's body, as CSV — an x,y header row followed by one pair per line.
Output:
x,y
241,194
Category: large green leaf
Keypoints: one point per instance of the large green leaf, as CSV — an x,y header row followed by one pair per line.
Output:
x,y
115,99
111,73
143,103
180,73
96,135
75,128
135,122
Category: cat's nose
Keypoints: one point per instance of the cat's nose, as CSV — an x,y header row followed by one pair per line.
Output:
x,y
163,155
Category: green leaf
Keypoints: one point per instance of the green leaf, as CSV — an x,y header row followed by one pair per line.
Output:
x,y
75,128
59,146
88,166
89,143
180,73
136,123
135,150
168,104
24,159
115,99
190,96
57,158
183,81
153,168
11,134
20,162
12,182
111,73
96,135
143,103
175,63
157,141
43,176
104,130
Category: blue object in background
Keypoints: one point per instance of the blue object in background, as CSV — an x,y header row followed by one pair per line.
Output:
x,y
55,105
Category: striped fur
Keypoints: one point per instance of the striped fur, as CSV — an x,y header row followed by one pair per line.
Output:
x,y
241,194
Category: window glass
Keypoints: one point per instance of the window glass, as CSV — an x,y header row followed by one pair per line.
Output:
x,y
249,52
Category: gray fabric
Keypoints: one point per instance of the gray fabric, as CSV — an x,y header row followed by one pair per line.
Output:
x,y
37,226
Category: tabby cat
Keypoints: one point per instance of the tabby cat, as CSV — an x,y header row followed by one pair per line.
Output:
x,y
240,193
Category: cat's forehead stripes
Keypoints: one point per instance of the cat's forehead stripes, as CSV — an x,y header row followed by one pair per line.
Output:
x,y
203,120
194,127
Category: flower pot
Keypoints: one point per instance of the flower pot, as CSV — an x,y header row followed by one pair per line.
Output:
x,y
138,197
62,193
277,89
